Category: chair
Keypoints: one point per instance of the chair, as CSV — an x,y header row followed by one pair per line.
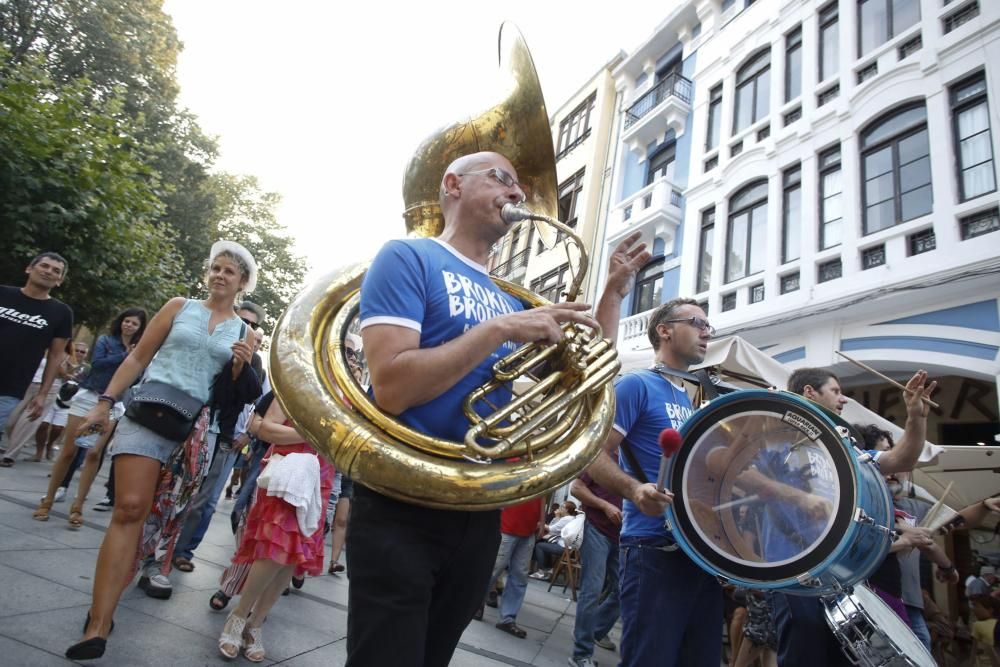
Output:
x,y
569,567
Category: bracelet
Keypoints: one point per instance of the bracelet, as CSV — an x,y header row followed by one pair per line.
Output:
x,y
950,568
107,397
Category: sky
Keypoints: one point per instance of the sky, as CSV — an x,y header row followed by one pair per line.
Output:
x,y
325,102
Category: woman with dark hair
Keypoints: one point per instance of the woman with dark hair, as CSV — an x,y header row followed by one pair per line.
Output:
x,y
109,353
190,349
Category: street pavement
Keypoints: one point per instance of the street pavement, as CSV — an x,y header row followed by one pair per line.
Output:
x,y
46,572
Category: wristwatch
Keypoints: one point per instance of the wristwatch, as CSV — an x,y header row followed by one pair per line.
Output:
x,y
947,570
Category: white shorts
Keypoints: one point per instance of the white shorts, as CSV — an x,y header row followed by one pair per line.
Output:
x,y
83,401
55,415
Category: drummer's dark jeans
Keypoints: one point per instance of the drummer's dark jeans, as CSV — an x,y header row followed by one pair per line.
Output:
x,y
804,638
417,576
671,609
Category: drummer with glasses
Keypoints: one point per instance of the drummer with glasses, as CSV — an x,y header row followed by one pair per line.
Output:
x,y
670,607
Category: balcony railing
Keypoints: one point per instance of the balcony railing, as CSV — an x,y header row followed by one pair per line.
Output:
x,y
674,84
507,268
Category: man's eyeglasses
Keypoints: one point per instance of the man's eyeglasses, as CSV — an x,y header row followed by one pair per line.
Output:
x,y
250,323
501,176
697,323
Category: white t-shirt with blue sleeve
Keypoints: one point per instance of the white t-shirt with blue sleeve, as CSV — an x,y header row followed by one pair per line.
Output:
x,y
428,286
646,403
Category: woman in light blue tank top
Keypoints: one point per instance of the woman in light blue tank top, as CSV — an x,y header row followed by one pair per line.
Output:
x,y
186,344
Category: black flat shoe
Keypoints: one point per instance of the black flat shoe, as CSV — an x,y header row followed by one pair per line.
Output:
x,y
86,624
90,649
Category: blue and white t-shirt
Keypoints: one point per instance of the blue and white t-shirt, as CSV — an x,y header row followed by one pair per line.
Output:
x,y
428,286
646,404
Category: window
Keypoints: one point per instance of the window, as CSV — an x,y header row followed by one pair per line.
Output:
x,y
793,115
980,223
729,301
828,271
973,144
791,213
872,257
830,201
881,20
896,169
569,196
576,127
661,164
552,285
911,46
756,293
961,17
921,242
711,163
868,72
704,307
746,233
829,41
753,90
705,258
790,282
714,118
763,133
736,149
648,287
829,94
793,64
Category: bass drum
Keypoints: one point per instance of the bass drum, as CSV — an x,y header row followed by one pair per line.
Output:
x,y
770,494
871,633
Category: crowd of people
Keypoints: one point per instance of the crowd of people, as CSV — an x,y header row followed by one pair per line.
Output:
x,y
225,434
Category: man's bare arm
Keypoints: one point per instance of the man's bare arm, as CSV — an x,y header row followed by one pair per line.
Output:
x,y
625,261
903,457
57,352
405,375
608,474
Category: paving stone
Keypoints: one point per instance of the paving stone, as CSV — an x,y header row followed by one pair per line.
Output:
x,y
18,653
25,593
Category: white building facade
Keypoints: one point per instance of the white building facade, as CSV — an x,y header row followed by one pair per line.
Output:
x,y
839,192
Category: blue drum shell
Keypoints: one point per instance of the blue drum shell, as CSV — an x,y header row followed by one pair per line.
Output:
x,y
864,542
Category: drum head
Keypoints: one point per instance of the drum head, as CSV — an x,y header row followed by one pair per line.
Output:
x,y
766,486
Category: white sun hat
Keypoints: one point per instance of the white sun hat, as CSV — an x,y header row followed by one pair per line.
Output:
x,y
235,248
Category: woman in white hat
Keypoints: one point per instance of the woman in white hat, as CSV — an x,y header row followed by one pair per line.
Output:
x,y
185,345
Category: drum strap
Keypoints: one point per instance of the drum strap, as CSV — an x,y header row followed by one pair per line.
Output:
x,y
633,462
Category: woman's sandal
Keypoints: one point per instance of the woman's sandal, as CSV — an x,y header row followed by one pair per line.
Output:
x,y
335,568
42,513
218,601
76,516
253,646
231,639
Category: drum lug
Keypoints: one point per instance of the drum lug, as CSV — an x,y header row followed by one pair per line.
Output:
x,y
860,516
722,580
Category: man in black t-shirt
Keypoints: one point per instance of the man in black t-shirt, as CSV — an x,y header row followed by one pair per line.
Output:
x,y
31,324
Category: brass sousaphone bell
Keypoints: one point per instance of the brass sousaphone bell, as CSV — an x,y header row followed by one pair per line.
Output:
x,y
559,416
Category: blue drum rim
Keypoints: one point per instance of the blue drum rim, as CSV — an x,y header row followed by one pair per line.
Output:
x,y
845,464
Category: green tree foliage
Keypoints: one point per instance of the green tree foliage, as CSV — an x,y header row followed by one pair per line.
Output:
x,y
70,181
102,73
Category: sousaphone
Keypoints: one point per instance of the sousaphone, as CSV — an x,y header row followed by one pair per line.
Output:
x,y
562,405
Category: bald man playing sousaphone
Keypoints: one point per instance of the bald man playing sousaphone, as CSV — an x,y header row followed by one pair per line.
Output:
x,y
433,324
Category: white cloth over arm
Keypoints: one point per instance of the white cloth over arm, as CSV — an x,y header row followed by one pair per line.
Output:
x,y
295,479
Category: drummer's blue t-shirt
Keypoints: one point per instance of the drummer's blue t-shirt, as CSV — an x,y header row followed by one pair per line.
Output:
x,y
428,286
646,404
786,529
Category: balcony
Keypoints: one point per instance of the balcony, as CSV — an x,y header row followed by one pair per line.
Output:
x,y
656,209
632,331
512,269
663,108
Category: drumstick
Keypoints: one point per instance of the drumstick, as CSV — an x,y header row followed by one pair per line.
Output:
x,y
734,503
886,378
